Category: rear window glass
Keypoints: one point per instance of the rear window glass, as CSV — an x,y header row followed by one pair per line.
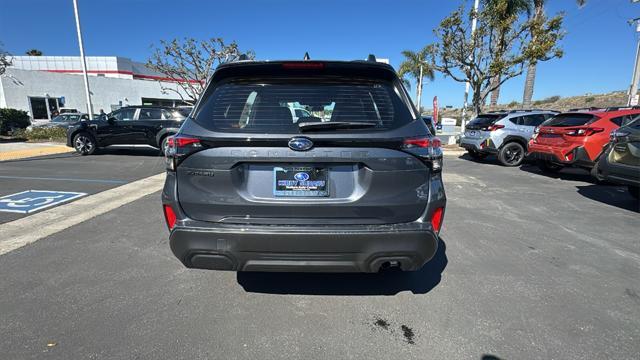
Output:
x,y
485,119
569,120
276,106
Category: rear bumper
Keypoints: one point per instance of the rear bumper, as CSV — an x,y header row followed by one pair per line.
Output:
x,y
481,145
566,156
619,173
304,249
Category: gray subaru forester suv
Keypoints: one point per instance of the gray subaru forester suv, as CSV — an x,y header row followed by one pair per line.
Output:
x,y
503,133
356,187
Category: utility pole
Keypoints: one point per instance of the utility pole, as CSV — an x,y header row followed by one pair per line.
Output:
x,y
474,22
420,91
633,90
83,61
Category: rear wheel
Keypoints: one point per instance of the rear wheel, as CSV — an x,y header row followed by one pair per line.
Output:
x,y
597,174
163,144
477,155
84,144
511,154
548,166
634,191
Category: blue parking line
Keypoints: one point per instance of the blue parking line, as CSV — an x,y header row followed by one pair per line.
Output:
x,y
64,179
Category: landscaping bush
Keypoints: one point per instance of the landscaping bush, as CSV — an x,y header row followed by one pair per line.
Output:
x,y
49,134
589,99
11,119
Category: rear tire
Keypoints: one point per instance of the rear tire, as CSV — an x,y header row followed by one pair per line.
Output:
x,y
511,154
548,166
163,144
634,191
84,144
597,175
477,155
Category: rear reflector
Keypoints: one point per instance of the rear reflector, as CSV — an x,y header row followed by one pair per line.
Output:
x,y
436,219
303,65
169,216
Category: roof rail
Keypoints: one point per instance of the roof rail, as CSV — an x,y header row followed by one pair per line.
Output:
x,y
616,108
592,108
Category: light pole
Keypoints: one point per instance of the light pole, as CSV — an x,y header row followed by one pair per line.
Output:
x,y
474,22
83,61
633,90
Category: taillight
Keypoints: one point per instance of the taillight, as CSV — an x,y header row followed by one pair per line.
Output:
x,y
178,147
618,134
428,149
423,142
494,127
583,131
169,216
436,219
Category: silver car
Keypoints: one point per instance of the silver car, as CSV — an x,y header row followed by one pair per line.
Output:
x,y
504,134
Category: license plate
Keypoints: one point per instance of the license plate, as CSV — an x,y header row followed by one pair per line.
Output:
x,y
300,181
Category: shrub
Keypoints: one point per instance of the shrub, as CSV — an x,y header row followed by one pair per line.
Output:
x,y
13,119
513,104
548,100
589,99
51,134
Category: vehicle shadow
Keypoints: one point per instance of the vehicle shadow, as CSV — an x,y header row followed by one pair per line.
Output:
x,y
617,196
384,283
569,173
127,151
491,160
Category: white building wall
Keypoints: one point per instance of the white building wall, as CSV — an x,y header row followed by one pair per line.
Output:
x,y
17,86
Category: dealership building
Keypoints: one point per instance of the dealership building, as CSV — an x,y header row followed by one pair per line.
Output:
x,y
41,85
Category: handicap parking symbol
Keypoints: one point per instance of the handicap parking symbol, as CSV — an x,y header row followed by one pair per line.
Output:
x,y
33,200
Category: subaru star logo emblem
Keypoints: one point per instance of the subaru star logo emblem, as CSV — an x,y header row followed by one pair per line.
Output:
x,y
300,144
301,176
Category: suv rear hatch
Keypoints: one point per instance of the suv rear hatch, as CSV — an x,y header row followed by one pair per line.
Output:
x,y
363,167
565,129
482,125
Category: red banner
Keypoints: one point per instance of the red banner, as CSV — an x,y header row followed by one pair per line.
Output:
x,y
435,109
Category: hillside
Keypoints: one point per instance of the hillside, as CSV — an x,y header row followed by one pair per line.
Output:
x,y
616,98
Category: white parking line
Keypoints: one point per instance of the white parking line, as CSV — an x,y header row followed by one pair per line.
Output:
x,y
21,232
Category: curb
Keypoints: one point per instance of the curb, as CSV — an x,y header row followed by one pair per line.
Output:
x,y
37,151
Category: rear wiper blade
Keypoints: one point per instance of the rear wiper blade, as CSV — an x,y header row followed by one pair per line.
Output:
x,y
332,125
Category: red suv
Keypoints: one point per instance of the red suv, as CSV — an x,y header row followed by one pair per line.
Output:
x,y
577,138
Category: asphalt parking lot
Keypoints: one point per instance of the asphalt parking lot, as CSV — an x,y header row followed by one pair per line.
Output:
x,y
530,266
110,168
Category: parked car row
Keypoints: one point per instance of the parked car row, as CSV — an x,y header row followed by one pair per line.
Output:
x,y
602,141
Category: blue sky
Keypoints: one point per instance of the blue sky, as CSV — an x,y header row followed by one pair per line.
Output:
x,y
599,44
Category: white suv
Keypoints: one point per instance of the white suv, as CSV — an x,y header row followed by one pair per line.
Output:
x,y
503,133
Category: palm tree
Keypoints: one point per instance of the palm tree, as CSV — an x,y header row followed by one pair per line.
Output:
x,y
416,66
530,79
506,9
33,52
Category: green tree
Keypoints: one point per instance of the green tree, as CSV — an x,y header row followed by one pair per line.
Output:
x,y
530,79
416,66
478,58
33,52
189,63
504,11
